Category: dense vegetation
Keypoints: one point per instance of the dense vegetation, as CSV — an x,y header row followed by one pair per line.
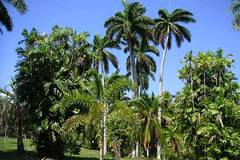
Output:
x,y
64,96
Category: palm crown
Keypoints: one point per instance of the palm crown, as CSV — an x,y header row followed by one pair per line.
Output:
x,y
169,25
101,55
129,24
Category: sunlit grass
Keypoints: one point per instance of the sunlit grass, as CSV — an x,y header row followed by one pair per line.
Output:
x,y
8,151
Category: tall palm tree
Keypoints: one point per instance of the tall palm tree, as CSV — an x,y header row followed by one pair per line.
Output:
x,y
147,107
145,64
167,27
235,8
127,27
102,57
5,18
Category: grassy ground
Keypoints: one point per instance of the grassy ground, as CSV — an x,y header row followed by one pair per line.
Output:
x,y
8,149
8,152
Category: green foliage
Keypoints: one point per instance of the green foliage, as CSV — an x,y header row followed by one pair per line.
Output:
x,y
49,66
122,122
70,104
207,108
235,9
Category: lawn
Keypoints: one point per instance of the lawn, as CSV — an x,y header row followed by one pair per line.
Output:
x,y
8,152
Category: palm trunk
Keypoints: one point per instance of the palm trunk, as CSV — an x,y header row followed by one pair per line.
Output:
x,y
104,117
161,90
137,148
133,151
147,151
105,130
101,157
102,141
134,79
133,71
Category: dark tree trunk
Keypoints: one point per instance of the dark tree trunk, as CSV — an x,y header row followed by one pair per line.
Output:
x,y
49,149
20,146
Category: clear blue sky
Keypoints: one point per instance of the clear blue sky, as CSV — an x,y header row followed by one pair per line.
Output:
x,y
213,30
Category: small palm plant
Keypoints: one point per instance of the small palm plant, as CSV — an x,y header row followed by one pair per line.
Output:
x,y
96,97
147,106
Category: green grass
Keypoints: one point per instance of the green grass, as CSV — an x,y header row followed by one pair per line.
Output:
x,y
8,149
8,152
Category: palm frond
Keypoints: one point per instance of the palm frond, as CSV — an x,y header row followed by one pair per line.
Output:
x,y
5,19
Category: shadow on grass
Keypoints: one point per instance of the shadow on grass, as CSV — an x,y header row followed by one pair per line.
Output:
x,y
31,155
14,155
83,158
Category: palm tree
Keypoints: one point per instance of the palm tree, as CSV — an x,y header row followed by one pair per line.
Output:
x,y
145,64
167,27
5,18
102,57
97,98
128,26
235,8
147,107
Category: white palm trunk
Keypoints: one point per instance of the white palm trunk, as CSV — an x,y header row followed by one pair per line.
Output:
x,y
137,148
147,152
105,129
135,90
104,143
161,90
133,151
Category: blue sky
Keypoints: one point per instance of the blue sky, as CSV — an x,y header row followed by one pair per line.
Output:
x,y
213,30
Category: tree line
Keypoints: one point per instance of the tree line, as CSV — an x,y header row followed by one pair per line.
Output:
x,y
67,98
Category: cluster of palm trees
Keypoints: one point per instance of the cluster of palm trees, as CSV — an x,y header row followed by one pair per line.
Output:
x,y
55,76
138,35
136,32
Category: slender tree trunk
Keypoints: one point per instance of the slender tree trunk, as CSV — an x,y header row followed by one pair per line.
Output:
x,y
161,90
102,141
191,76
101,151
104,116
105,130
147,151
133,71
133,151
5,134
135,82
137,148
20,146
